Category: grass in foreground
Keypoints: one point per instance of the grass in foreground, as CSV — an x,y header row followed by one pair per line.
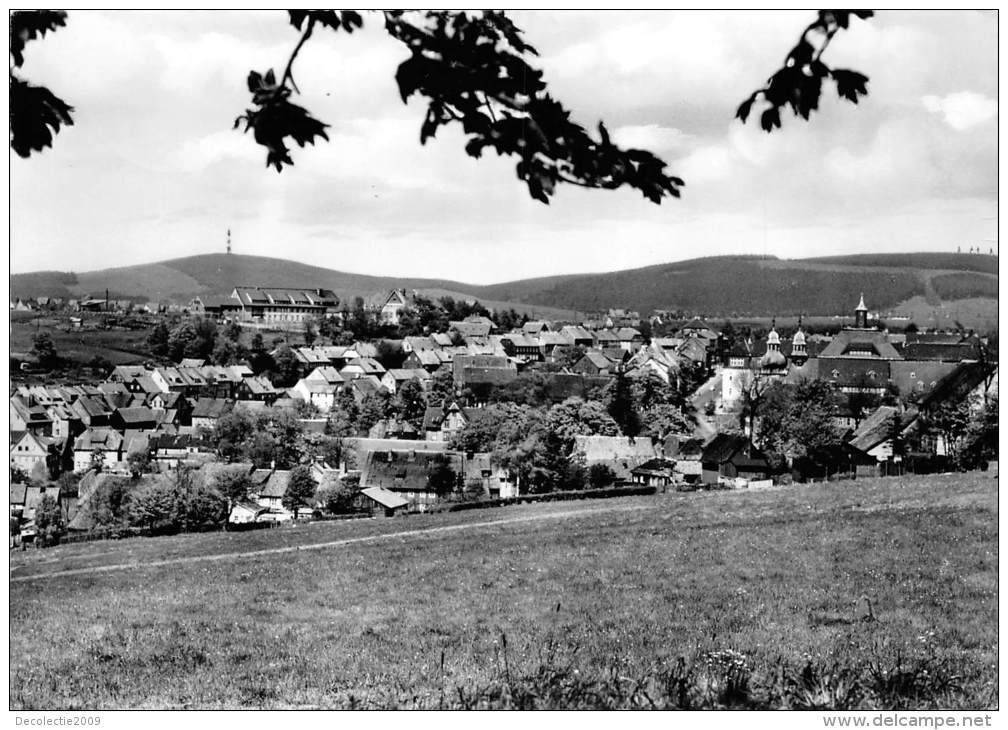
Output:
x,y
701,600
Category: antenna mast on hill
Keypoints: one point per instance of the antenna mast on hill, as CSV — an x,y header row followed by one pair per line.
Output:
x,y
229,240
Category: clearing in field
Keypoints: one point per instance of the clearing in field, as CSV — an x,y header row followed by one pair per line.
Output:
x,y
723,599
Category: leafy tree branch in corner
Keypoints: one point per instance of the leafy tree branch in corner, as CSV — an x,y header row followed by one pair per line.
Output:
x,y
798,83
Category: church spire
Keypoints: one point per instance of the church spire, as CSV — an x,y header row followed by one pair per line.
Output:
x,y
861,314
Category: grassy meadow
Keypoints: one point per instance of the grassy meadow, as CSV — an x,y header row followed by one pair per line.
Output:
x,y
723,599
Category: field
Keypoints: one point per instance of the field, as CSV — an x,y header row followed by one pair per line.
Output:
x,y
723,599
117,346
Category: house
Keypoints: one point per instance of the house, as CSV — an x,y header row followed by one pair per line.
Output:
x,y
874,436
686,454
35,454
575,336
326,374
138,418
620,453
550,341
522,347
535,327
92,411
594,362
840,460
470,370
361,366
406,473
442,422
731,456
361,387
657,472
604,338
416,342
473,326
493,479
395,302
245,512
393,379
317,392
256,388
207,411
379,502
270,493
29,418
105,441
429,360
629,338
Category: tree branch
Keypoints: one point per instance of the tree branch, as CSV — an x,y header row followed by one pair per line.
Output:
x,y
297,49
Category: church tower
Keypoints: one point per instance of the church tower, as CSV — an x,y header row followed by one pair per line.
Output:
x,y
773,339
799,349
861,315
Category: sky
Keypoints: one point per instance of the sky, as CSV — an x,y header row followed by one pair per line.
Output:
x,y
152,169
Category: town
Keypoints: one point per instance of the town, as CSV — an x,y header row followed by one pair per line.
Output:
x,y
272,406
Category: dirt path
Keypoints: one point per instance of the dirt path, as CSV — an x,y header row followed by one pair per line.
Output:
x,y
326,545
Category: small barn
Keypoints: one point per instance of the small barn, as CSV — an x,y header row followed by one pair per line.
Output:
x,y
732,456
379,502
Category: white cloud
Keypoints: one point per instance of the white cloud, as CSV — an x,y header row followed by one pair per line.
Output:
x,y
963,110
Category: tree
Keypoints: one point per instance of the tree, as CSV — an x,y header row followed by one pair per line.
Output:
x,y
390,354
600,475
228,352
287,366
232,331
45,349
621,404
36,114
410,403
576,417
980,441
300,489
474,70
233,483
97,460
664,420
49,520
157,340
797,419
139,462
310,333
441,388
375,407
441,478
949,420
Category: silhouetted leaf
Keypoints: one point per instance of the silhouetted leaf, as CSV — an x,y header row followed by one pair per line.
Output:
x,y
744,108
473,70
798,84
850,84
27,25
770,119
36,115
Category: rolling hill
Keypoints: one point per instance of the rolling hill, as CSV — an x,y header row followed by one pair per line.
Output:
x,y
725,285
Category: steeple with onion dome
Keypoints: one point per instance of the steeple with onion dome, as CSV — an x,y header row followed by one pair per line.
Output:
x,y
799,348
